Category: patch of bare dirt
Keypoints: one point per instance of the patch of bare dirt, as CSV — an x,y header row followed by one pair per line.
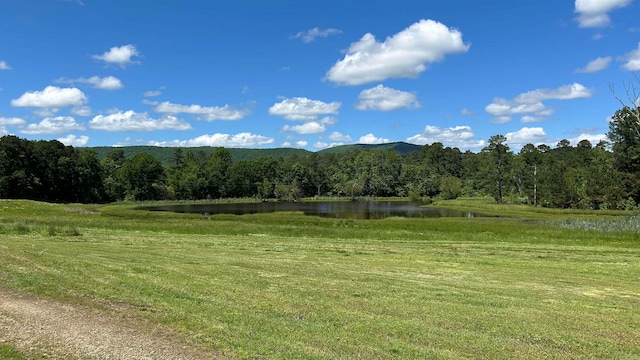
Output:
x,y
46,329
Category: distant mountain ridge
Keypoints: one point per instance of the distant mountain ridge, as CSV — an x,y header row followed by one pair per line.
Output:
x,y
165,154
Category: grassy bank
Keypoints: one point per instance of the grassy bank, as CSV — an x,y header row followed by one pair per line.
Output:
x,y
292,286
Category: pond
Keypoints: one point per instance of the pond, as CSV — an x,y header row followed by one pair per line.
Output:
x,y
331,209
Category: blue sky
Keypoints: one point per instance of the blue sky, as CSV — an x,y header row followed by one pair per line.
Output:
x,y
285,73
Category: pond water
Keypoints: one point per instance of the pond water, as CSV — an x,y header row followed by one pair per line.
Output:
x,y
331,209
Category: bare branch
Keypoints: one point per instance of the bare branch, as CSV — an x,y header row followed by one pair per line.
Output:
x,y
633,98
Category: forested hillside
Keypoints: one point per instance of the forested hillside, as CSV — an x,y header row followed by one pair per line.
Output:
x,y
165,154
604,175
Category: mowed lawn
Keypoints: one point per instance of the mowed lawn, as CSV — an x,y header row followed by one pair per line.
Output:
x,y
290,286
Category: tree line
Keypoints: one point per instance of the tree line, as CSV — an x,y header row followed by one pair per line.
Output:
x,y
601,176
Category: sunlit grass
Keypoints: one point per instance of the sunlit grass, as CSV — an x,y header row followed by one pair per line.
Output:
x,y
285,285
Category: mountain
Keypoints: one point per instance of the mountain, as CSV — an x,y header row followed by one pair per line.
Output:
x,y
400,147
165,154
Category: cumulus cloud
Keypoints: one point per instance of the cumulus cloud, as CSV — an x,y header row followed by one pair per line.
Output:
x,y
632,60
596,65
566,92
386,99
75,141
594,139
297,144
403,55
458,136
81,110
208,113
312,127
336,136
12,121
51,97
372,139
119,55
530,119
531,102
240,140
594,13
4,65
323,145
301,108
132,121
526,135
311,35
56,125
105,83
152,93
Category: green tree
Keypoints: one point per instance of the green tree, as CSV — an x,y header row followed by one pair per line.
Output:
x,y
112,183
624,133
143,176
450,187
498,156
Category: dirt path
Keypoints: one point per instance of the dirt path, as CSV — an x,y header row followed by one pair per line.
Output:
x,y
46,329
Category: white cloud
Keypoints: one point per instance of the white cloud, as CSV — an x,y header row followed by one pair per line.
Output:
x,y
72,140
310,35
459,136
503,109
81,110
297,144
530,119
531,102
4,65
12,121
566,92
386,99
3,131
594,13
594,139
105,83
526,135
372,139
132,121
312,127
51,97
45,112
301,108
596,65
56,125
203,112
336,136
632,60
241,140
403,55
152,93
121,56
322,145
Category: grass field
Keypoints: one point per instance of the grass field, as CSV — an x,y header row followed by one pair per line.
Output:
x,y
533,284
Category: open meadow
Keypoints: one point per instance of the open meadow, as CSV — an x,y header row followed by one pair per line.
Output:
x,y
535,283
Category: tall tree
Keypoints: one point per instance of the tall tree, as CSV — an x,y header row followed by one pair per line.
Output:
x,y
624,133
499,161
142,176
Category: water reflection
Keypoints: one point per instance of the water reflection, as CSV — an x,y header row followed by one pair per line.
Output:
x,y
331,209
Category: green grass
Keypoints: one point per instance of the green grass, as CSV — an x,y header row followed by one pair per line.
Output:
x,y
9,353
291,286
